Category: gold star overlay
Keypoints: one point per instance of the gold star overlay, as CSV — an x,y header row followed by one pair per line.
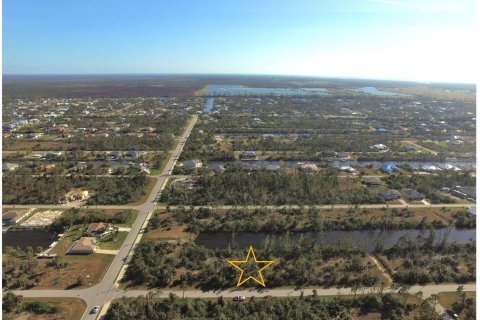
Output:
x,y
262,265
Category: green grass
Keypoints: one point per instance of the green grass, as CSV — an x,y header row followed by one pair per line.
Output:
x,y
447,299
112,241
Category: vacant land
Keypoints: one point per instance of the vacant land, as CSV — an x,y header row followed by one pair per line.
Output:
x,y
312,307
183,221
38,309
461,302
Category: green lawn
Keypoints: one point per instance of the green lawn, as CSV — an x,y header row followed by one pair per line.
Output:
x,y
112,241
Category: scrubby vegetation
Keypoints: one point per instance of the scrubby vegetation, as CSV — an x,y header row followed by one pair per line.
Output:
x,y
302,262
237,186
306,220
383,306
20,187
425,260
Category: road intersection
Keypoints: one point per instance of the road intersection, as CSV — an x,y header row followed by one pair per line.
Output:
x,y
104,292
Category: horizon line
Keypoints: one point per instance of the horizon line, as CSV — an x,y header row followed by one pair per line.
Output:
x,y
231,74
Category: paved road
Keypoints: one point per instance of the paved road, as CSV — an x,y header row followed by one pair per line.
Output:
x,y
427,290
336,206
105,290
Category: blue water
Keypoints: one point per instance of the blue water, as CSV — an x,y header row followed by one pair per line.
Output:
x,y
375,91
209,105
367,238
275,164
234,90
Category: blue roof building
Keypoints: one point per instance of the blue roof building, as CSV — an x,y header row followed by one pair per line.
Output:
x,y
388,168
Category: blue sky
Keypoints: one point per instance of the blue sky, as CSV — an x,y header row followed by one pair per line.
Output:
x,y
388,39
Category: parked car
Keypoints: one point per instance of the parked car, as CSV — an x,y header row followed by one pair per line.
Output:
x,y
238,298
95,309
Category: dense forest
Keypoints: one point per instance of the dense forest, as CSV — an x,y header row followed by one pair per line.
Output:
x,y
20,187
237,186
384,306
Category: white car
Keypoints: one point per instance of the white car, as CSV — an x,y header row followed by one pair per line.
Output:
x,y
95,309
238,298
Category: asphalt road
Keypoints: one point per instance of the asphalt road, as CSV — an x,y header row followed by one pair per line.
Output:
x,y
105,290
102,293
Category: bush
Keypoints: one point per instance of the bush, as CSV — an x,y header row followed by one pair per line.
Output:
x,y
40,307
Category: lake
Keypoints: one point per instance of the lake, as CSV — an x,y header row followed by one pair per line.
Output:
x,y
376,92
234,90
222,240
25,238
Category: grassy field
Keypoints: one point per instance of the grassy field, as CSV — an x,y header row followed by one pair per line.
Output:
x,y
70,308
91,267
112,241
447,299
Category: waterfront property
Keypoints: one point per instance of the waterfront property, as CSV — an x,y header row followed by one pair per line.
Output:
x,y
84,245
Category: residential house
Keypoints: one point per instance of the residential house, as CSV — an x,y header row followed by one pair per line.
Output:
x,y
411,194
84,245
308,166
389,194
114,155
99,229
380,147
184,184
75,195
328,153
248,155
81,166
132,154
347,169
52,155
142,167
372,181
388,168
465,192
192,164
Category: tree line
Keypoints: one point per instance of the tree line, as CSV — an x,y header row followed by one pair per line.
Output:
x,y
236,186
